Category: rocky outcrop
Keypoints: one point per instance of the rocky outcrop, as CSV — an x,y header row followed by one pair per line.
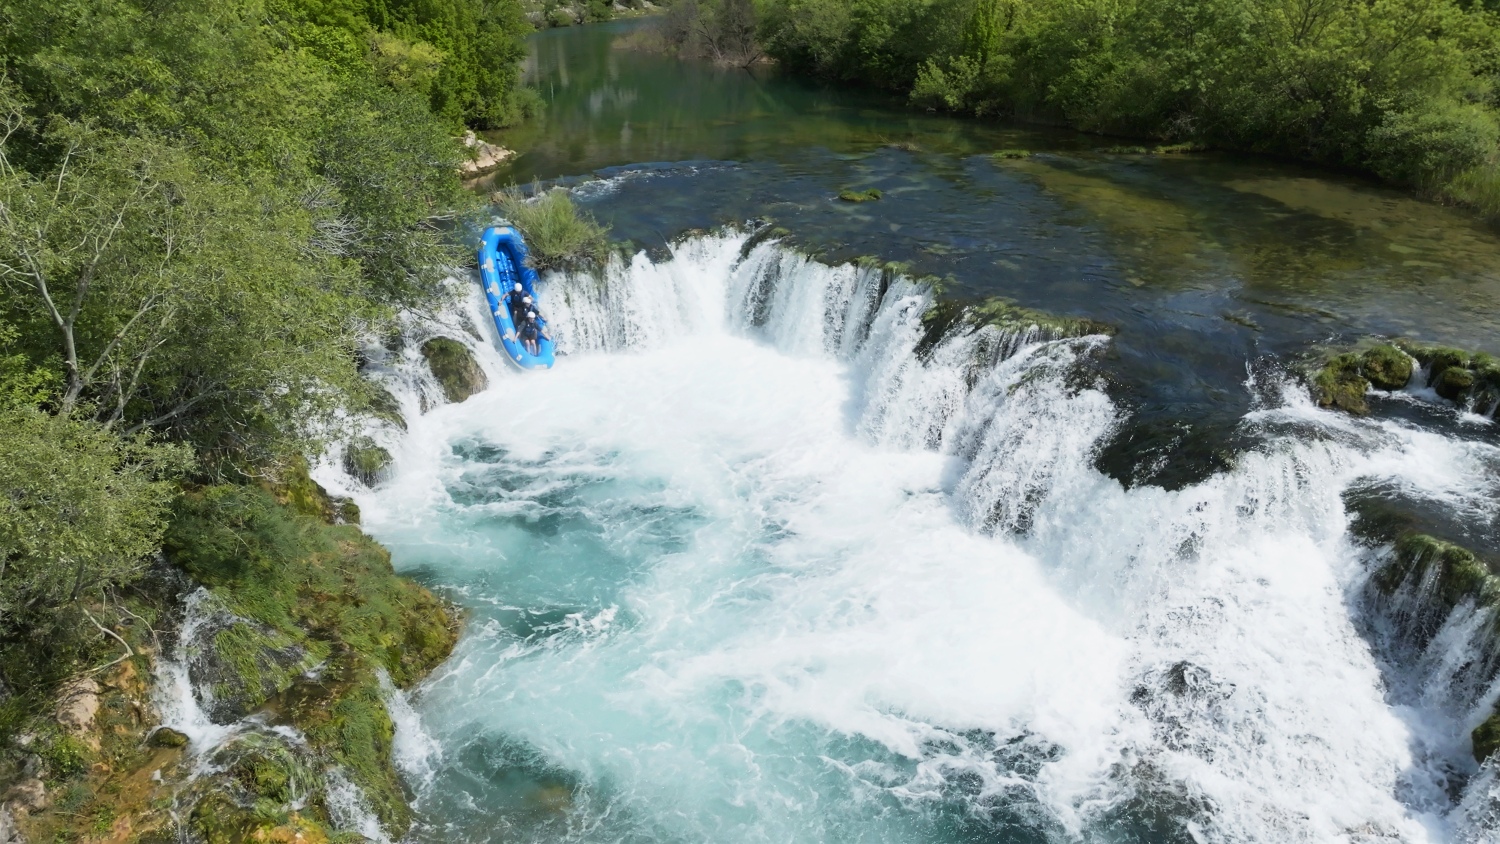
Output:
x,y
483,156
1468,379
454,368
948,315
366,462
296,621
77,704
240,664
1343,379
383,406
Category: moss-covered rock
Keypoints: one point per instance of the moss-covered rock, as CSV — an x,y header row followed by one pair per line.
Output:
x,y
1387,367
850,195
1341,384
1453,383
167,737
366,461
383,405
948,315
454,368
1457,574
239,664
293,486
1486,737
1011,154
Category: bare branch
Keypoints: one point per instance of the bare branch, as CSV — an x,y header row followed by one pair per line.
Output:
x,y
113,635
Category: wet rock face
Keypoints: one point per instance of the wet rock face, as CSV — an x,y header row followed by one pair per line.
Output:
x,y
1340,385
1486,738
454,368
236,665
1454,383
167,737
367,462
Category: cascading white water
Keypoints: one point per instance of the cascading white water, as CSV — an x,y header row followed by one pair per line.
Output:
x,y
748,566
176,698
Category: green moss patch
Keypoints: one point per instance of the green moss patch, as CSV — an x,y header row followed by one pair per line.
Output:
x,y
366,461
1486,738
454,368
383,405
1460,575
1460,376
1342,385
1387,367
849,195
1011,154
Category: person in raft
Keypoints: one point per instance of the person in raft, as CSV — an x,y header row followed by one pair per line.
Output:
x,y
531,330
519,303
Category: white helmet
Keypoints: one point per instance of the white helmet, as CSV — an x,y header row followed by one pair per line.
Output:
x,y
531,314
519,288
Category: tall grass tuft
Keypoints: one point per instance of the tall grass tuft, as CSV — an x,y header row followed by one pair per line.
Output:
x,y
557,232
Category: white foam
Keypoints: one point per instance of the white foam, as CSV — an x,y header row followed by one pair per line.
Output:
x,y
416,753
882,573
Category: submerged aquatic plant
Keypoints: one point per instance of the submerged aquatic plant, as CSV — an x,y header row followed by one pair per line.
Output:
x,y
557,232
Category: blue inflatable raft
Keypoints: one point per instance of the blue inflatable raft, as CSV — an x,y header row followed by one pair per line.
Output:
x,y
502,263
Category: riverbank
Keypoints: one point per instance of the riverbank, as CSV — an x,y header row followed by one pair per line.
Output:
x,y
265,654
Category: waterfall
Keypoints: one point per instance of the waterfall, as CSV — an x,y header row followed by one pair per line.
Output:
x,y
1231,683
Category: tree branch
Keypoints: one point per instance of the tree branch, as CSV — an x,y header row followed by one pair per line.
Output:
x,y
113,635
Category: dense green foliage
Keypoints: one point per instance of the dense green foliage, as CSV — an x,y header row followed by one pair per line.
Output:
x,y
462,56
1405,89
202,205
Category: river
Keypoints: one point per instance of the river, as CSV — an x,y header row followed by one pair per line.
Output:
x,y
762,561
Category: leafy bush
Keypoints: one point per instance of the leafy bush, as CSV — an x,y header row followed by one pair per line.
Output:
x,y
599,11
557,232
1403,88
81,509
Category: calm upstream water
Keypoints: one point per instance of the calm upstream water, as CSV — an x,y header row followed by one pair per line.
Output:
x,y
759,563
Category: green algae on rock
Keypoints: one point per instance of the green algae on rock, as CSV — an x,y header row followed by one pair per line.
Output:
x,y
454,368
1387,367
383,405
1455,572
1486,738
850,195
1341,384
1342,380
366,461
1462,377
947,315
